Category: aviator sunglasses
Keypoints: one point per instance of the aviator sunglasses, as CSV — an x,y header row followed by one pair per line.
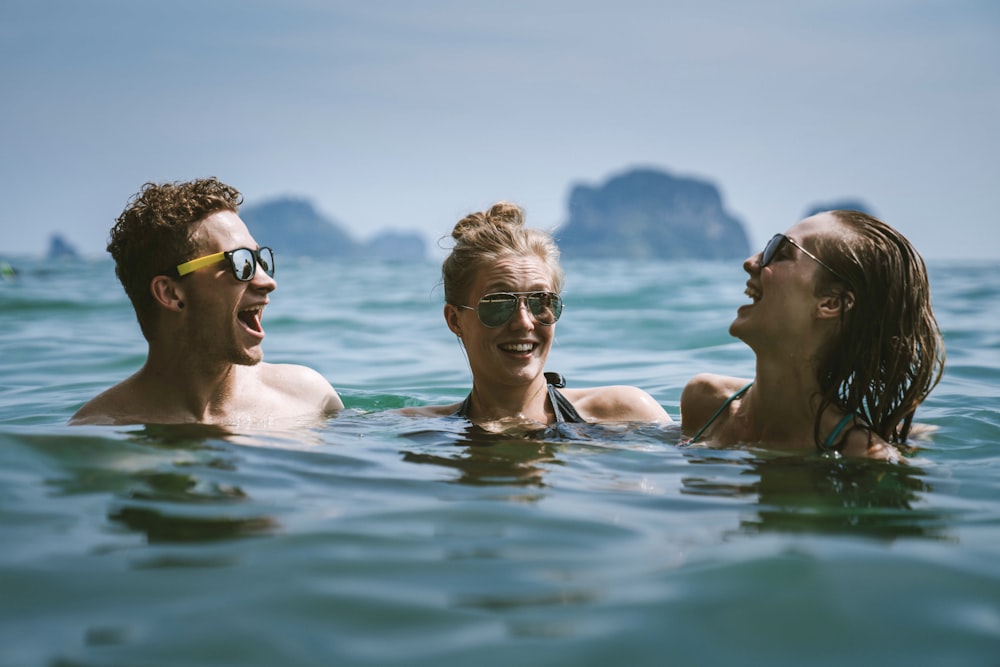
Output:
x,y
242,261
774,245
496,310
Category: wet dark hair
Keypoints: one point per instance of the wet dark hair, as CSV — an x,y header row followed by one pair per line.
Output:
x,y
889,353
153,234
485,237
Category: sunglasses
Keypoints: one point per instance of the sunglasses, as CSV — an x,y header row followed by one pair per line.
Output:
x,y
774,245
496,310
242,261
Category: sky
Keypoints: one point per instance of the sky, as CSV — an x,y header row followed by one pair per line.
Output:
x,y
406,115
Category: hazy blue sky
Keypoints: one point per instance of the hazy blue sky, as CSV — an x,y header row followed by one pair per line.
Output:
x,y
407,115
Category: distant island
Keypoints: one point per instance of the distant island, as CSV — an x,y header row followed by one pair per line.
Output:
x,y
61,249
651,214
296,229
641,213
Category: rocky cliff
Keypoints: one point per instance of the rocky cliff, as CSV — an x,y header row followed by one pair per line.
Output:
x,y
294,228
651,214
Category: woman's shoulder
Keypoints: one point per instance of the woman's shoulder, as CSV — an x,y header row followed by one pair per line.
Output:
x,y
622,403
703,395
861,442
712,387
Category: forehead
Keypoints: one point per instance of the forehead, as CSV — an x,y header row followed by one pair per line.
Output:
x,y
513,274
819,225
222,230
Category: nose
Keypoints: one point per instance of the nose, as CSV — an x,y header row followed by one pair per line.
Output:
x,y
523,319
752,263
261,281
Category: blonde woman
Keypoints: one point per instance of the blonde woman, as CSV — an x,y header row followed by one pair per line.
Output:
x,y
503,297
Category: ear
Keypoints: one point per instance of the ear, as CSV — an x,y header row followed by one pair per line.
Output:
x,y
452,320
167,292
835,304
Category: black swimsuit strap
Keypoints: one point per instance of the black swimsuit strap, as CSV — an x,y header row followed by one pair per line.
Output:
x,y
463,409
563,409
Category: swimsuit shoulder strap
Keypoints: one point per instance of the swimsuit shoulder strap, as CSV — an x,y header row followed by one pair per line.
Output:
x,y
563,409
718,412
831,439
463,409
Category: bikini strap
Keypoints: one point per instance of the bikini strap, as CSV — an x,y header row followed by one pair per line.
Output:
x,y
718,412
831,439
463,409
555,379
563,409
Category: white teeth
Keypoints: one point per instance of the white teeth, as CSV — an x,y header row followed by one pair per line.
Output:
x,y
517,347
752,292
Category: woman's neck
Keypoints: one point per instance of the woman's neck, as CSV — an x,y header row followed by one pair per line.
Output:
x,y
782,404
517,403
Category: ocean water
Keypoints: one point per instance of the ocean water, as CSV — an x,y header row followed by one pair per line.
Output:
x,y
375,539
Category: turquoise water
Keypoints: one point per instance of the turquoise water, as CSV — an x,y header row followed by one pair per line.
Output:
x,y
378,540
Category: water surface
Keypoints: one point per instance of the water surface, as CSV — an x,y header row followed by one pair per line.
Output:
x,y
375,539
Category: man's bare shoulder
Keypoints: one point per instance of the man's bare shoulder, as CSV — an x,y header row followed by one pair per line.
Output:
x,y
301,383
94,411
120,404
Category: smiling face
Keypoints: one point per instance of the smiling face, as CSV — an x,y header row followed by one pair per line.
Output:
x,y
223,314
513,353
783,294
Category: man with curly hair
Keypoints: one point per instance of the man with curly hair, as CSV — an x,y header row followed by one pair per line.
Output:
x,y
199,284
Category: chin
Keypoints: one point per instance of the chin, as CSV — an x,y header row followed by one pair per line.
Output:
x,y
734,328
739,331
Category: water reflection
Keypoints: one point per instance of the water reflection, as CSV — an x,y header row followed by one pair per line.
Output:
x,y
521,455
170,483
484,458
162,526
194,498
811,494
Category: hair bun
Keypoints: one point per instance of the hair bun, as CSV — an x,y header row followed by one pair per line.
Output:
x,y
499,216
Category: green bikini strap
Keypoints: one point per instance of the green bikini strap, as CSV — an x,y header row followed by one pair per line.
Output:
x,y
718,412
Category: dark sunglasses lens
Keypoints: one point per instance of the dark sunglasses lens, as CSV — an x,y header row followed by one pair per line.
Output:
x,y
496,309
243,264
545,306
771,249
266,256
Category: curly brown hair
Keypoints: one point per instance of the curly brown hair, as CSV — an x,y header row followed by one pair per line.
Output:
x,y
890,353
153,234
484,237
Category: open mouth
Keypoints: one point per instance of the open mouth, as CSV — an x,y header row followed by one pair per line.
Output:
x,y
753,293
251,319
